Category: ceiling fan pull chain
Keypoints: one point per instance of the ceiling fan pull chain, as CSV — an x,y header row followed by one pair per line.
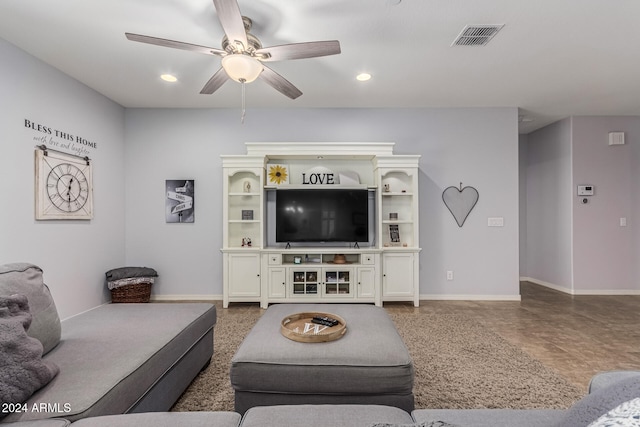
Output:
x,y
243,81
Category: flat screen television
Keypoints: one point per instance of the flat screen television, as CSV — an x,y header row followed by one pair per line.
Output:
x,y
323,216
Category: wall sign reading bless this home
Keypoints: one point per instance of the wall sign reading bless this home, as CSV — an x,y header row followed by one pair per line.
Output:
x,y
61,140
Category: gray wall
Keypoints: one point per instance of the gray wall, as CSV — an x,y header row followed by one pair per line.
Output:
x,y
572,246
605,254
522,206
478,147
73,254
548,204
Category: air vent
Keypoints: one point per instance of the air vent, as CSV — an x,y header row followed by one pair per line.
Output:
x,y
476,35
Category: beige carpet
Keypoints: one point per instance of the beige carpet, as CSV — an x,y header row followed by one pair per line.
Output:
x,y
458,362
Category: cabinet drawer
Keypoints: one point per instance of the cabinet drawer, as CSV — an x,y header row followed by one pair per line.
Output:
x,y
275,259
368,259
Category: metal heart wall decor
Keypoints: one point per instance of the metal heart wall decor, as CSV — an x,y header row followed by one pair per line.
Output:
x,y
460,201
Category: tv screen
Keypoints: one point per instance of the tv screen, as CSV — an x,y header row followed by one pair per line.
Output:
x,y
316,215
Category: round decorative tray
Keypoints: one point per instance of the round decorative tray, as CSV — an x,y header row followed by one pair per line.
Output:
x,y
299,327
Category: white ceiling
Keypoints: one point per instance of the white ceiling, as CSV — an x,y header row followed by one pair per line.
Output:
x,y
552,59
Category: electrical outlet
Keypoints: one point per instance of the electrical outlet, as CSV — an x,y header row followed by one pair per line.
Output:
x,y
449,275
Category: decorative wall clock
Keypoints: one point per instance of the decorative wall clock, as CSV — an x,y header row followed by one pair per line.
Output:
x,y
64,186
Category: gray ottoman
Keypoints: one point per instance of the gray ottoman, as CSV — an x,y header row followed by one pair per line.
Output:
x,y
368,365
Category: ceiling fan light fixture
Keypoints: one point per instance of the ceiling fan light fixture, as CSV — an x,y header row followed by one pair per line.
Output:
x,y
241,67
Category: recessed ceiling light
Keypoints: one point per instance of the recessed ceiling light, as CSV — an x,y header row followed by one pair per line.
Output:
x,y
363,77
169,78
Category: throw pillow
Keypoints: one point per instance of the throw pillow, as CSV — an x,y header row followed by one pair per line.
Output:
x,y
26,279
594,405
22,370
625,415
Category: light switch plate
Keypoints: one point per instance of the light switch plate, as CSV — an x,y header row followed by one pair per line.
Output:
x,y
495,222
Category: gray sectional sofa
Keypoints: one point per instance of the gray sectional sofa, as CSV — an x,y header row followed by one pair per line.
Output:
x,y
113,359
607,392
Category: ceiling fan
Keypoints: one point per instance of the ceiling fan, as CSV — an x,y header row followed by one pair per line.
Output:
x,y
243,56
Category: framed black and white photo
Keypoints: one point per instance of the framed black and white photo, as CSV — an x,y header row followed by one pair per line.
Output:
x,y
247,214
394,234
179,205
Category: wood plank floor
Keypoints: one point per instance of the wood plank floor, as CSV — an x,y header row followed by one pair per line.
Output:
x,y
577,336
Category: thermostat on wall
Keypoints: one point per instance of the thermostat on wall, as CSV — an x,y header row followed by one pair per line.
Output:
x,y
585,190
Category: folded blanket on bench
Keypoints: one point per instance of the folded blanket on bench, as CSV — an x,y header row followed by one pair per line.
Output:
x,y
128,272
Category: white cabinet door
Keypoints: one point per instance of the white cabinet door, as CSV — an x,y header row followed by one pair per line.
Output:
x,y
366,282
277,282
338,282
398,275
244,275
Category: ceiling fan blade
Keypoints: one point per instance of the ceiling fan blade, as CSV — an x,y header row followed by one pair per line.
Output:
x,y
214,83
279,83
231,21
174,44
299,50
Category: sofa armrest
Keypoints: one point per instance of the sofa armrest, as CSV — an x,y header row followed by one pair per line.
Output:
x,y
605,379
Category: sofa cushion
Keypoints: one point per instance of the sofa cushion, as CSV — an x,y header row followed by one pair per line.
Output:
x,y
22,370
164,419
110,357
491,417
26,279
594,405
607,378
424,424
323,415
57,422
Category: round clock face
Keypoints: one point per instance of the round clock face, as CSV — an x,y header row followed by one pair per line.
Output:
x,y
67,187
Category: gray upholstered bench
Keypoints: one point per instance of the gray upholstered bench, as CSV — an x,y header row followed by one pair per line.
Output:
x,y
369,365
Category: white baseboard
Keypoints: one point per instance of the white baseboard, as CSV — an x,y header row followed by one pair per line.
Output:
x,y
430,297
569,291
547,285
186,298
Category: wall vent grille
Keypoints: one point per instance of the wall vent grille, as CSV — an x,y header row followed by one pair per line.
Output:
x,y
476,35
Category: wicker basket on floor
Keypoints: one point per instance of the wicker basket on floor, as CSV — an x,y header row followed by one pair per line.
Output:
x,y
138,292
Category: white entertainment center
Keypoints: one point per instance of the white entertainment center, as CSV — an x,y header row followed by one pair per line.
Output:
x,y
371,251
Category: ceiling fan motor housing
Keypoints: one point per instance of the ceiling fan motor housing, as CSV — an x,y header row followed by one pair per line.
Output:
x,y
237,47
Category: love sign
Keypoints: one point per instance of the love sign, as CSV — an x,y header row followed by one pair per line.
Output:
x,y
318,178
318,175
